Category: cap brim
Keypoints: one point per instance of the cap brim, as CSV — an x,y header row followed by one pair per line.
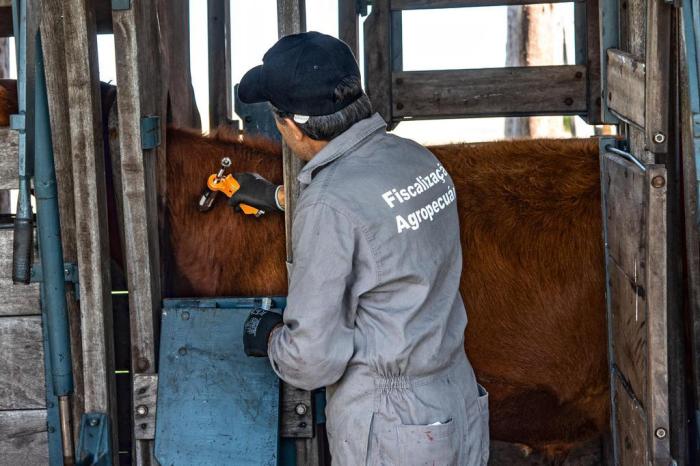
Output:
x,y
250,89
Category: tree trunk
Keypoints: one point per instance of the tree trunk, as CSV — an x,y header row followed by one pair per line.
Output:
x,y
535,38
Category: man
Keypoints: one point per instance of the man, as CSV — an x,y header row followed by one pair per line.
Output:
x,y
374,311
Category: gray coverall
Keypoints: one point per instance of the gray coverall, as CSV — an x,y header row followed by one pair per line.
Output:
x,y
374,311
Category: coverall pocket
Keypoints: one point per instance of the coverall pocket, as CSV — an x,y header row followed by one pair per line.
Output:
x,y
429,444
483,402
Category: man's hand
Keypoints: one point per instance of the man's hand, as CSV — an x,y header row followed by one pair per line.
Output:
x,y
257,192
257,330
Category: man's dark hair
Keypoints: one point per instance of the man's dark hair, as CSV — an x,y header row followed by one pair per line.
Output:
x,y
327,127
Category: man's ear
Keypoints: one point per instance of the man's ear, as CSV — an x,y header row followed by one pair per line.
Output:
x,y
296,133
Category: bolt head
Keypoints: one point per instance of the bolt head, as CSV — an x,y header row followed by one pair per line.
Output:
x,y
94,422
185,315
141,410
658,181
300,409
659,138
182,351
660,433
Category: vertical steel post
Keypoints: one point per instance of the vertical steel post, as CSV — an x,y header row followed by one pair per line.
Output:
x,y
24,228
51,251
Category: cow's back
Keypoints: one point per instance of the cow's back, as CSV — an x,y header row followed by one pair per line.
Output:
x,y
533,281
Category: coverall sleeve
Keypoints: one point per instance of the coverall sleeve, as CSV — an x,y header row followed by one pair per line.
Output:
x,y
315,344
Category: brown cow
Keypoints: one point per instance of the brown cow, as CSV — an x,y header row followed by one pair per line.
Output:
x,y
533,269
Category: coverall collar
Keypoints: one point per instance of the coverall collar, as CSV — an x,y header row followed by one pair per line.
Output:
x,y
341,145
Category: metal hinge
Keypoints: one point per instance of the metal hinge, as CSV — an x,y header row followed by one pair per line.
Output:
x,y
121,4
150,132
70,274
696,125
18,122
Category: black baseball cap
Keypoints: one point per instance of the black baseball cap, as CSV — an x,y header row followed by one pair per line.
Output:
x,y
300,73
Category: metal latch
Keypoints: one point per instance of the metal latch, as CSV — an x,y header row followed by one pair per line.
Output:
x,y
121,4
150,132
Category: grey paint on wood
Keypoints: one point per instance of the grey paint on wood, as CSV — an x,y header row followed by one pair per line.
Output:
x,y
144,405
22,363
518,91
23,438
626,84
8,158
52,34
15,299
658,69
632,427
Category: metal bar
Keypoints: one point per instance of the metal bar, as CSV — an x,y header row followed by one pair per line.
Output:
x,y
627,156
51,251
435,4
24,225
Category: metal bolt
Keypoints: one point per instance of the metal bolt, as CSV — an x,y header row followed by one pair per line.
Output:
x,y
658,181
142,364
579,75
141,410
302,425
182,351
52,429
185,315
659,138
660,433
568,101
143,426
94,422
300,409
399,106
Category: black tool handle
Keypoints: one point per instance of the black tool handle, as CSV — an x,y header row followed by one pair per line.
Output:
x,y
22,250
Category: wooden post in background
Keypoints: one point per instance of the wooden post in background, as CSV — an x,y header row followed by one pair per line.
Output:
x,y
85,117
349,25
220,88
5,206
142,93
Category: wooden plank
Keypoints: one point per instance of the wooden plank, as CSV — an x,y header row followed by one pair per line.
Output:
x,y
141,92
517,91
22,364
9,146
629,328
23,438
349,25
594,97
633,35
15,299
174,16
103,10
657,334
626,84
53,37
658,69
87,151
219,47
432,4
625,214
377,35
631,429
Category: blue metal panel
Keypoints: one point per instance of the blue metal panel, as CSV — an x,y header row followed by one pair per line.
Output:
x,y
256,118
95,444
691,29
215,405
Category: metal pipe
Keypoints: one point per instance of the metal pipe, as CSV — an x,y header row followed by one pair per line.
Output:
x,y
627,156
23,237
64,412
51,250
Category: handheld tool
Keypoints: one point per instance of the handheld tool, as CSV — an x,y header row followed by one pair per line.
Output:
x,y
227,184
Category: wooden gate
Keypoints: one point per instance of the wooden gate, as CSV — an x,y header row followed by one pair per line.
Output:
x,y
634,205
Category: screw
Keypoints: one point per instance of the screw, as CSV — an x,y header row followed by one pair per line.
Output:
x,y
302,425
399,81
660,433
300,409
52,429
399,106
185,315
142,364
94,422
143,426
579,75
568,101
182,351
141,410
658,181
659,138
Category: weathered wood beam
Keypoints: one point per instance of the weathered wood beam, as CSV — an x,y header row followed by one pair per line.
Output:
x,y
658,69
141,92
9,147
15,299
520,91
349,25
220,88
103,15
432,4
377,35
594,115
52,35
87,164
626,81
23,438
22,364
